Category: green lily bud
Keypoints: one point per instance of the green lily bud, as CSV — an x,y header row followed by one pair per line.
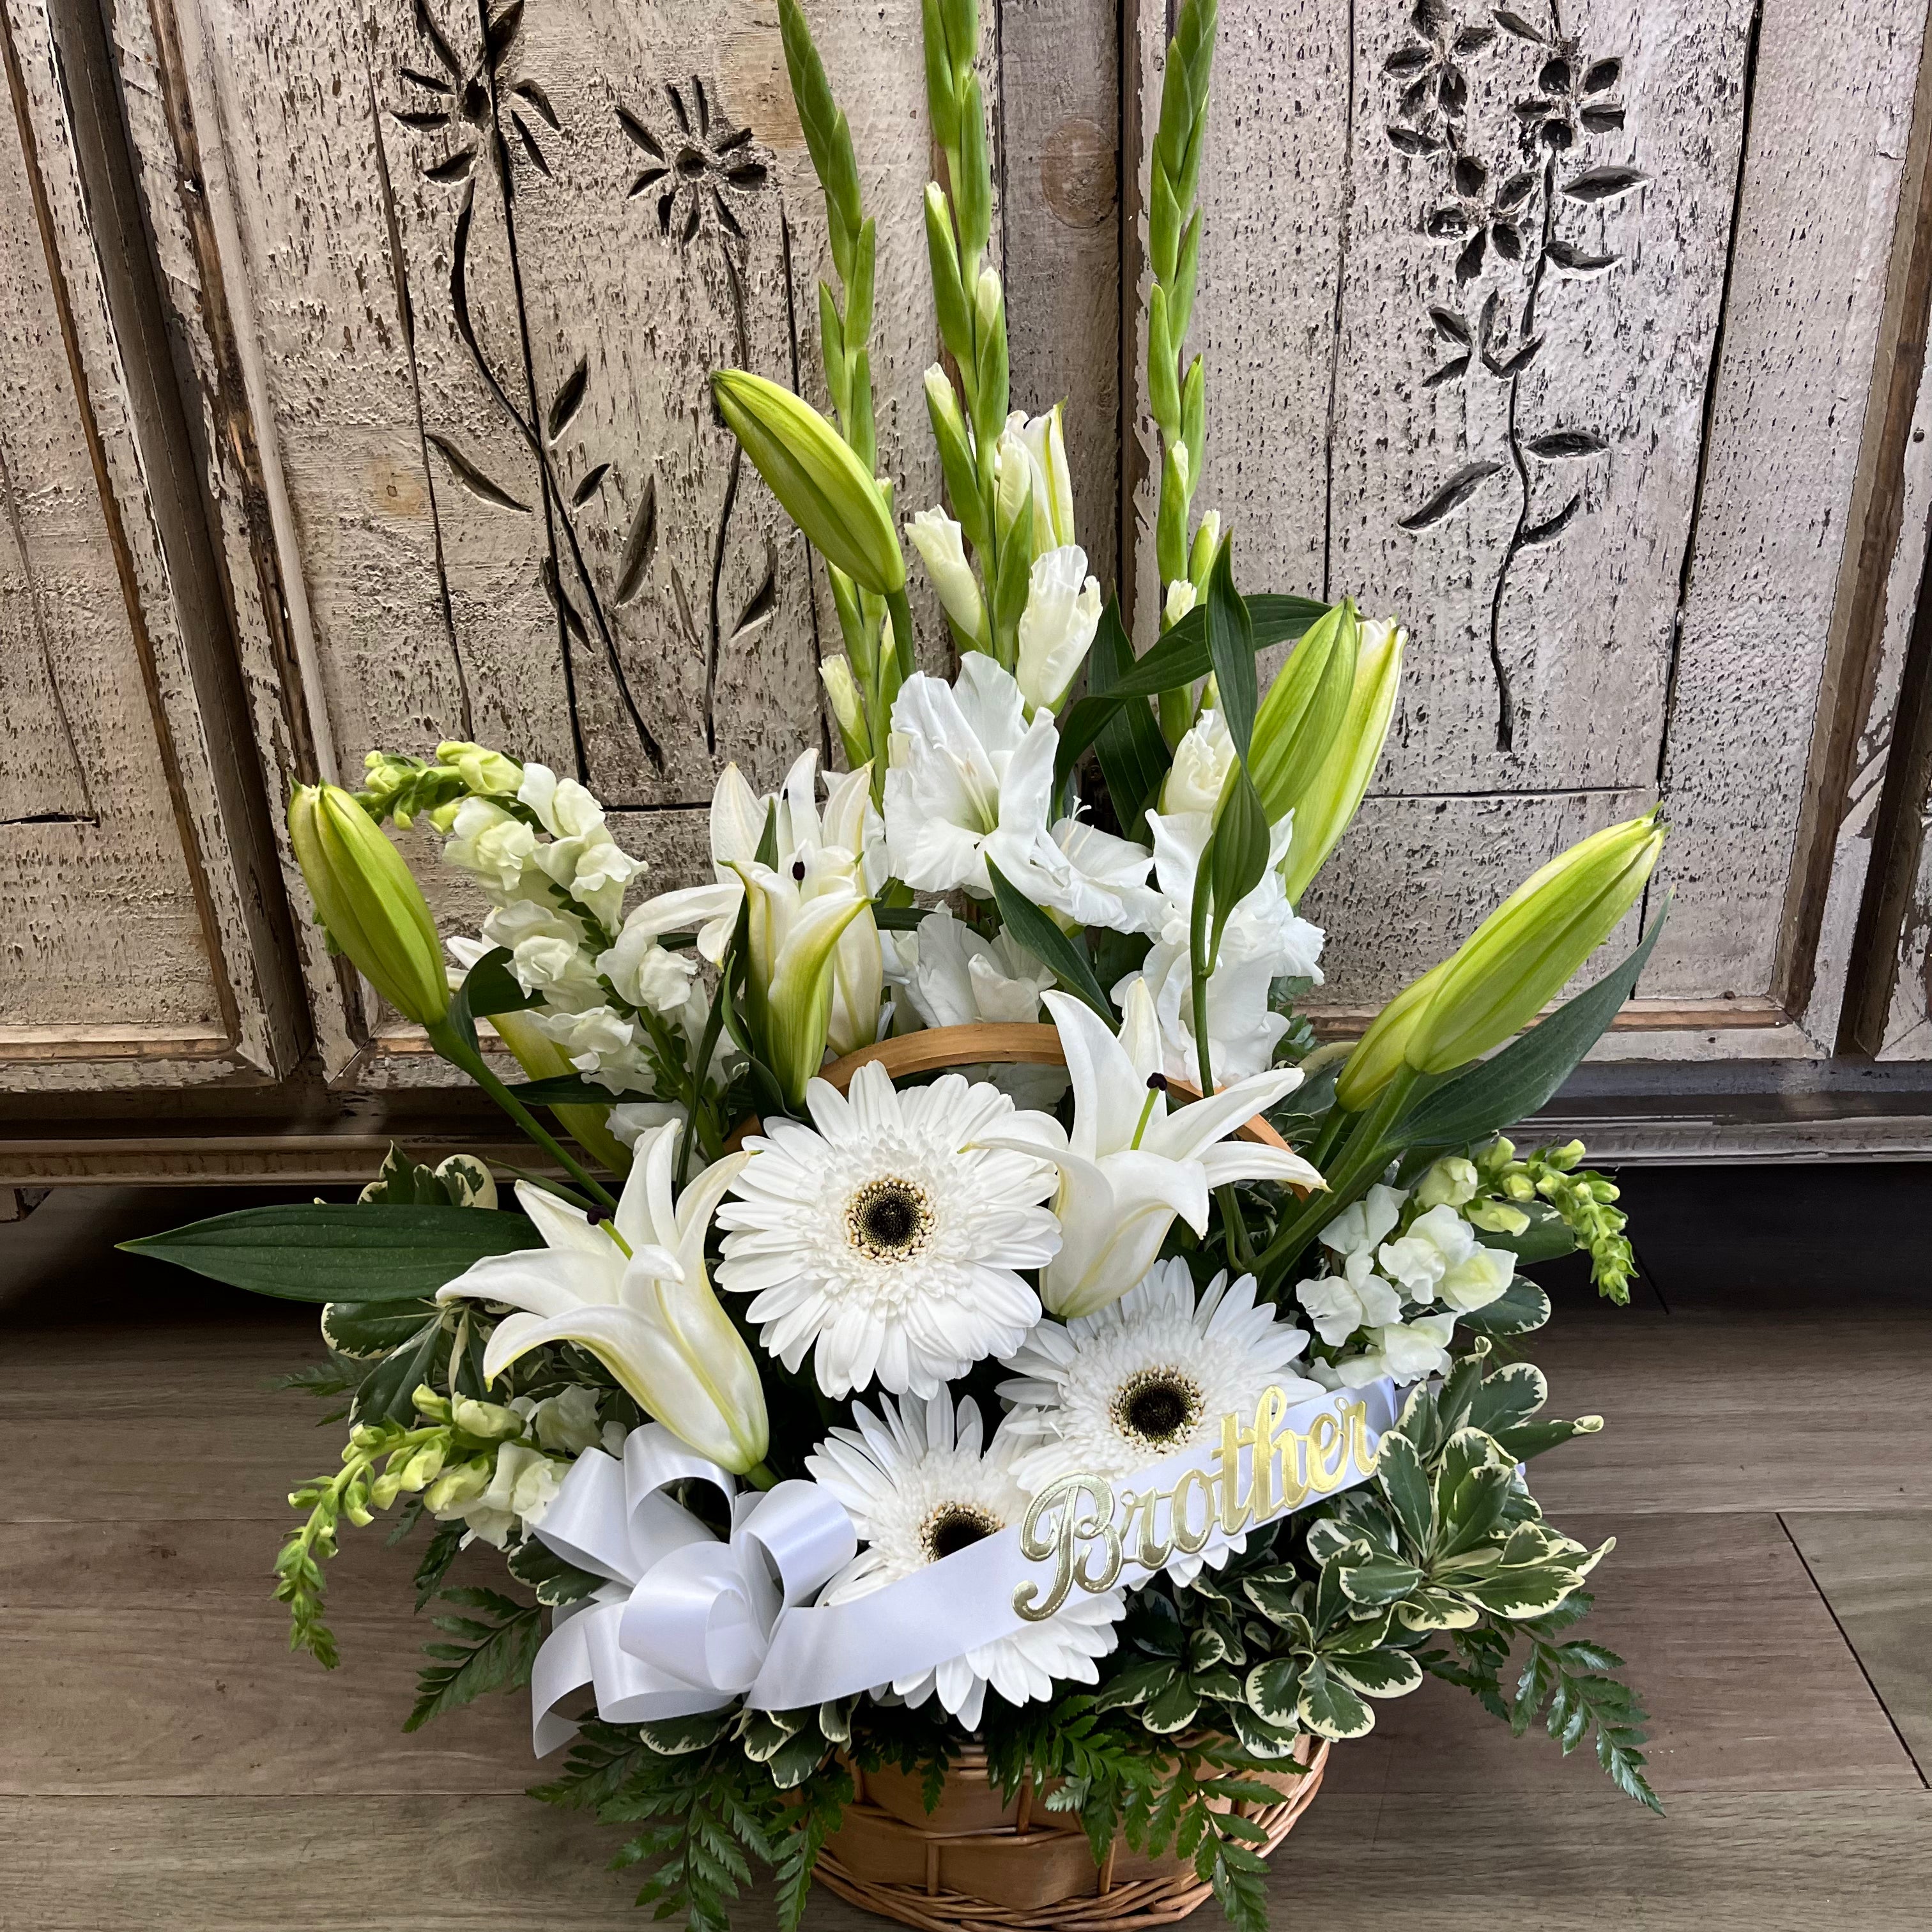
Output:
x,y
1379,1051
848,710
825,489
1331,798
372,909
1300,719
1163,373
989,395
1519,959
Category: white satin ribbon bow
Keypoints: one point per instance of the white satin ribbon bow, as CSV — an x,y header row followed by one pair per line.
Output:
x,y
685,1620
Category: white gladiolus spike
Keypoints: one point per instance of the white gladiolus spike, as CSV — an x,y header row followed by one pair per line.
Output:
x,y
942,550
1057,627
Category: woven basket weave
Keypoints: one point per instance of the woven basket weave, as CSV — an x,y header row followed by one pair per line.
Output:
x,y
977,1863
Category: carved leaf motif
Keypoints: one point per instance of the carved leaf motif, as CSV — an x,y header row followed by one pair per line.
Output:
x,y
530,141
1450,325
539,100
1562,444
1571,260
639,135
1514,23
1602,119
426,26
1453,495
1515,192
1518,358
1448,373
593,480
503,30
1473,40
455,169
1601,75
1405,62
1606,184
472,478
1412,141
1551,528
764,600
640,545
568,399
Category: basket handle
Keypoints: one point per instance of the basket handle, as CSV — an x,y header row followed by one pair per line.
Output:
x,y
1002,1042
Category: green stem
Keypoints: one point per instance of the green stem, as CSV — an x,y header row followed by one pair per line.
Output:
x,y
457,1051
900,610
1364,1153
761,1476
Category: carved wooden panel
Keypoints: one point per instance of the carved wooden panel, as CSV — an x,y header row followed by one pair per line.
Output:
x,y
139,939
462,275
1552,328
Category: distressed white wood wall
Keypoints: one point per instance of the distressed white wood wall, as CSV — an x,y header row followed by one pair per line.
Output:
x,y
1587,337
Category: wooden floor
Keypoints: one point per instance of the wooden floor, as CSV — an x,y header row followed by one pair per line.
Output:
x,y
166,1766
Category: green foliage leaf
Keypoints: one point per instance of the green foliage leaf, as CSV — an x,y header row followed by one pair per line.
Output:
x,y
1329,1709
1231,650
1376,1673
1521,1307
566,1090
1180,658
323,1252
556,1582
1133,756
493,1651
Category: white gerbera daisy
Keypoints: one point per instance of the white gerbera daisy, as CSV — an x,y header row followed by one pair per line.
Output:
x,y
891,1238
1150,1376
919,1487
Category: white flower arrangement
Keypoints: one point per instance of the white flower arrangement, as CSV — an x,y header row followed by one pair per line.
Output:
x,y
1135,1240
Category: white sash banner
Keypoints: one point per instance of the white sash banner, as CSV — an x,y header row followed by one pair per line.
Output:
x,y
689,1622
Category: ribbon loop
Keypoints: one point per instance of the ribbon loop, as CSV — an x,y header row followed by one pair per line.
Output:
x,y
685,1622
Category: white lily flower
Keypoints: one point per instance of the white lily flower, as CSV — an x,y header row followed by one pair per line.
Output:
x,y
1181,598
1440,1255
942,549
1264,940
634,1291
1057,627
1129,1166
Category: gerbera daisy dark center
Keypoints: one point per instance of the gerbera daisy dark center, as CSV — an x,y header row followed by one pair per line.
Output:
x,y
1157,1407
888,1220
953,1527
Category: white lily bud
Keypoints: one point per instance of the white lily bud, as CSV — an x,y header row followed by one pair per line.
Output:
x,y
1057,627
1181,598
942,550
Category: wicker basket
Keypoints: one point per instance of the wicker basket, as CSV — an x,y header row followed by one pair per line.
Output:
x,y
975,1862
